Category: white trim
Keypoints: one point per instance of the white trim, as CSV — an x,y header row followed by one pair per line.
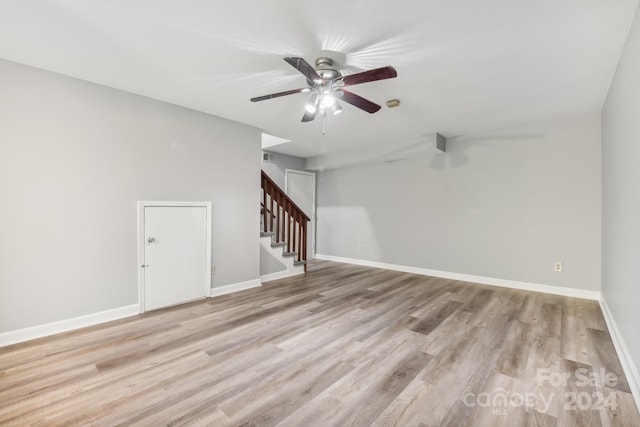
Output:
x,y
235,287
296,270
39,331
313,214
292,271
143,204
274,276
629,368
535,287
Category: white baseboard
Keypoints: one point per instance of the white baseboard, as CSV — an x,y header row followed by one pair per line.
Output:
x,y
630,369
39,331
274,276
235,287
514,284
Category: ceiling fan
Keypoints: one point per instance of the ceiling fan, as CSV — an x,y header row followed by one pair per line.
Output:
x,y
327,84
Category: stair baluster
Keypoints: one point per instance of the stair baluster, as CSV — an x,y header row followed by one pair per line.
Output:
x,y
294,220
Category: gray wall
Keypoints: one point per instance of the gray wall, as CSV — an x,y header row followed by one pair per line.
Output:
x,y
269,264
74,159
281,162
505,204
621,195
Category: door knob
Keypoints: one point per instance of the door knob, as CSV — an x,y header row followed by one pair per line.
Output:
x,y
151,239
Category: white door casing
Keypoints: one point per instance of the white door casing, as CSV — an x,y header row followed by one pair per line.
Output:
x,y
174,253
301,187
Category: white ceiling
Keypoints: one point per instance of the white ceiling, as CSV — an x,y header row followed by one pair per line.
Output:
x,y
463,65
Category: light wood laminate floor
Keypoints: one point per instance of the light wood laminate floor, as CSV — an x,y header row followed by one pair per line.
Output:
x,y
341,345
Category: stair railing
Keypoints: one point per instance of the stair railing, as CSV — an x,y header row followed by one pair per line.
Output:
x,y
282,217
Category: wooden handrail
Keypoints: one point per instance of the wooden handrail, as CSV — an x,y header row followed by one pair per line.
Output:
x,y
285,219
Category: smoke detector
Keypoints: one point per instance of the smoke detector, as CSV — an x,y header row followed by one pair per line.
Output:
x,y
393,103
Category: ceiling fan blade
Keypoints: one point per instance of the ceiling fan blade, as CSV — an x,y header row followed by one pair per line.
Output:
x,y
310,113
303,66
360,102
276,95
370,76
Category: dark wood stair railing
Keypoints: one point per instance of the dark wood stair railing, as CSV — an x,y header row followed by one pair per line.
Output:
x,y
282,217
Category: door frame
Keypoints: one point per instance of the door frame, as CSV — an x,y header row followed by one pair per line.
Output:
x,y
313,223
140,241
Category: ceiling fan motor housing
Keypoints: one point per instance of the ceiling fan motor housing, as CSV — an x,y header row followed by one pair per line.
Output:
x,y
323,62
326,70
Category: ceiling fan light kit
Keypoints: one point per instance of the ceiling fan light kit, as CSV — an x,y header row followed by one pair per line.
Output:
x,y
327,86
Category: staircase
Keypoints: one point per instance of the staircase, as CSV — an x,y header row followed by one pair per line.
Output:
x,y
284,229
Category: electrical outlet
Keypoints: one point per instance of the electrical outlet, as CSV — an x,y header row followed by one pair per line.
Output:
x,y
360,247
213,269
558,267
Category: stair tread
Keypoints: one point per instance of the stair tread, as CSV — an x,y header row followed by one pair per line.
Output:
x,y
289,253
267,233
301,262
276,244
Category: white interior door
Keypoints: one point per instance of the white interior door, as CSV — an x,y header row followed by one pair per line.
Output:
x,y
174,255
301,187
